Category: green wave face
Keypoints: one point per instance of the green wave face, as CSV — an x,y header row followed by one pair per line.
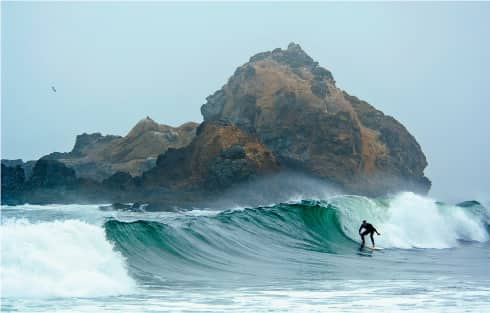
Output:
x,y
286,238
231,241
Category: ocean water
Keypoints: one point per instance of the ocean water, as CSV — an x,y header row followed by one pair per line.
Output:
x,y
299,256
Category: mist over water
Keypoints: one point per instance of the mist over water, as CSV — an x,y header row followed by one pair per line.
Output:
x,y
286,186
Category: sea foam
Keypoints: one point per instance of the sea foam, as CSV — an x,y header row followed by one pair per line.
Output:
x,y
67,258
409,221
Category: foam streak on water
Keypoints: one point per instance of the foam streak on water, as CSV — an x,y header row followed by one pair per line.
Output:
x,y
337,296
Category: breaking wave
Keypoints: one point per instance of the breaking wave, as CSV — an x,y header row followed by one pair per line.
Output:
x,y
286,233
60,259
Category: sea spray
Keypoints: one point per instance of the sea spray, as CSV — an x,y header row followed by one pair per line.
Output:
x,y
408,220
67,258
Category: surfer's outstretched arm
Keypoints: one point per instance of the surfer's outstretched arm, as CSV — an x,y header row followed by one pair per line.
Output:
x,y
360,228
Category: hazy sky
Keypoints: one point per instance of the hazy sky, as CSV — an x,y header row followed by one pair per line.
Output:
x,y
426,64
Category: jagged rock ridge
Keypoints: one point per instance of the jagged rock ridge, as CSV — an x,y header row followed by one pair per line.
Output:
x,y
97,157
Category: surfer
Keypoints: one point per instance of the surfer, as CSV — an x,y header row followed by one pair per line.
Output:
x,y
369,229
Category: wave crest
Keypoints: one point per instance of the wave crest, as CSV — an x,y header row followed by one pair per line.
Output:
x,y
60,259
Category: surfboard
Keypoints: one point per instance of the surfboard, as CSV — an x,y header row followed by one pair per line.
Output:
x,y
375,248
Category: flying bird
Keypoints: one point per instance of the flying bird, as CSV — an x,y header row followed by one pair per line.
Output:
x,y
52,88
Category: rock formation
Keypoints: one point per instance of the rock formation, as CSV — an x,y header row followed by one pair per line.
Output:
x,y
97,157
13,179
26,166
279,113
296,110
220,155
51,174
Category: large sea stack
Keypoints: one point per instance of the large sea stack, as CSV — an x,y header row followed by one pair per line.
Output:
x,y
295,109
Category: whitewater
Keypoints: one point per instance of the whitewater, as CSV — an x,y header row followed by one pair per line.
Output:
x,y
301,255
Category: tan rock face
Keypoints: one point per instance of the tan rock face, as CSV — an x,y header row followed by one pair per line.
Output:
x,y
296,110
96,156
220,155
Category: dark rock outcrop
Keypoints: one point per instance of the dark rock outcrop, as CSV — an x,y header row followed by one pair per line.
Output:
x,y
469,204
12,163
120,180
221,155
26,166
52,182
13,179
296,110
51,174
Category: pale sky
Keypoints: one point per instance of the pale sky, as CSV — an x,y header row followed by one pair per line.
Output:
x,y
426,64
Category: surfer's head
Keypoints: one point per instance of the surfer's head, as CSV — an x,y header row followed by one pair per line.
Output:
x,y
364,222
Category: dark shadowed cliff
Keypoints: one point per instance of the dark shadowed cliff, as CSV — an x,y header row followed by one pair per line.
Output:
x,y
220,155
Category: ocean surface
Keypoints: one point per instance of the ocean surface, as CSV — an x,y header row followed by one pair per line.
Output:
x,y
298,256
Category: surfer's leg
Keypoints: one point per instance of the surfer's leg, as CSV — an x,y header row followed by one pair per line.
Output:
x,y
364,233
372,239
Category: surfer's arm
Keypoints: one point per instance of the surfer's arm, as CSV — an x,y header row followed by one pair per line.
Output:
x,y
360,228
376,231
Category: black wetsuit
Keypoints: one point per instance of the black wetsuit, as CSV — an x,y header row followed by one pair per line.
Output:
x,y
369,229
